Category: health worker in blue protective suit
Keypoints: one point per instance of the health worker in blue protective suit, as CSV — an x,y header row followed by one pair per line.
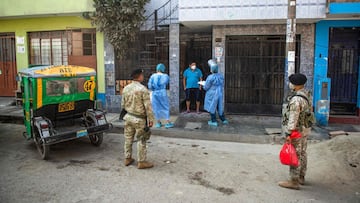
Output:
x,y
160,101
214,87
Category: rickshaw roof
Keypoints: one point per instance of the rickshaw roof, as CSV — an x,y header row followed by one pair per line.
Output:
x,y
57,71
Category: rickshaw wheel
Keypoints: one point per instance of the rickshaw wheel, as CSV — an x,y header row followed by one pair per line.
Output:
x,y
96,139
42,148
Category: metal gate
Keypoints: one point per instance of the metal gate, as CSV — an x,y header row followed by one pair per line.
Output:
x,y
254,74
344,69
7,65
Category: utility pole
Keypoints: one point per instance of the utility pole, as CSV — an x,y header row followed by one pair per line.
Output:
x,y
290,45
290,51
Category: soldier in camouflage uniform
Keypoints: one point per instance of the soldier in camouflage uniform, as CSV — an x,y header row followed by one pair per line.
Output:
x,y
136,101
294,121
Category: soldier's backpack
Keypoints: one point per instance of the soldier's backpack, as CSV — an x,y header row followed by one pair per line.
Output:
x,y
306,117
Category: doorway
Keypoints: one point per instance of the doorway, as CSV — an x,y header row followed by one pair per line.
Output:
x,y
8,84
254,73
194,47
343,69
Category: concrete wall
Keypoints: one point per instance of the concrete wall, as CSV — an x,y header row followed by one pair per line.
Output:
x,y
174,67
307,32
235,10
113,101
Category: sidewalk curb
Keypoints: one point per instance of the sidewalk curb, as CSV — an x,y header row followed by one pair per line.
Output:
x,y
202,135
173,133
11,119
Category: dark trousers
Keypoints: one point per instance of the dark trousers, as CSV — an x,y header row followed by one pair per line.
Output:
x,y
213,115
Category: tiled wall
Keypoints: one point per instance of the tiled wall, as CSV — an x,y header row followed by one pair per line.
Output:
x,y
215,10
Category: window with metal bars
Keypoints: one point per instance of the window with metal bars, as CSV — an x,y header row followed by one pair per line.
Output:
x,y
83,42
48,48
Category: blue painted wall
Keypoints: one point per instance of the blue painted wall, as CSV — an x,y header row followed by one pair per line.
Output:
x,y
344,8
101,97
321,55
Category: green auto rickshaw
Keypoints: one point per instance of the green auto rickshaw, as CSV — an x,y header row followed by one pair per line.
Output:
x,y
60,104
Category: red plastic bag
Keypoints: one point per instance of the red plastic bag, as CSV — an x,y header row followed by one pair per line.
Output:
x,y
295,134
288,155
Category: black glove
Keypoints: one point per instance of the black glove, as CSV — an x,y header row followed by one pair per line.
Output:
x,y
147,133
122,114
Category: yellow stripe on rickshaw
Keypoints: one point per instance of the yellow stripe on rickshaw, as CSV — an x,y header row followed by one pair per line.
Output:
x,y
92,92
39,92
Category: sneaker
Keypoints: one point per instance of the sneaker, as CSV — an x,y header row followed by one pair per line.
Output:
x,y
158,125
169,125
212,123
225,122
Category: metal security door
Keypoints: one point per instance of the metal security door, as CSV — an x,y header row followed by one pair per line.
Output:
x,y
7,65
344,70
255,74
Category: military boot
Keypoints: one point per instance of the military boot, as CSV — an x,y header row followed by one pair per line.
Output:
x,y
144,165
129,161
290,184
302,180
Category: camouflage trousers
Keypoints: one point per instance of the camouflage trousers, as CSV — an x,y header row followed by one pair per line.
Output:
x,y
300,145
132,130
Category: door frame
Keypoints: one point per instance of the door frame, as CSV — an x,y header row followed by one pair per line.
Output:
x,y
321,66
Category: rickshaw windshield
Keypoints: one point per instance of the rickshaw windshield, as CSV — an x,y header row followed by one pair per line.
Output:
x,y
60,87
65,89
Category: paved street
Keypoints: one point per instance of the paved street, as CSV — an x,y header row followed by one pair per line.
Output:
x,y
185,171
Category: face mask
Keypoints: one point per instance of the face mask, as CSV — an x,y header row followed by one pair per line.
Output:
x,y
193,67
291,86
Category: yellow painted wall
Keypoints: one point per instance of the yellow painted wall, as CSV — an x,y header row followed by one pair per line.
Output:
x,y
22,8
100,61
22,26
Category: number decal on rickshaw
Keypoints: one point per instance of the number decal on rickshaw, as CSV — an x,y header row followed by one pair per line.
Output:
x,y
81,133
89,85
68,106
